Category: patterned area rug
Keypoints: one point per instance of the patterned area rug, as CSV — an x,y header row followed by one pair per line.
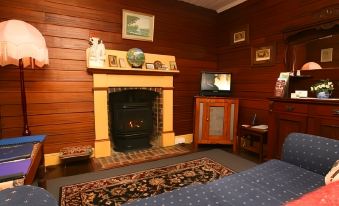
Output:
x,y
126,188
120,159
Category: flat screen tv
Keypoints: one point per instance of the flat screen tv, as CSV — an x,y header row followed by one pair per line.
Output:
x,y
215,83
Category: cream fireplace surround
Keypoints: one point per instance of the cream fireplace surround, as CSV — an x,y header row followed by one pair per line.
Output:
x,y
106,77
109,77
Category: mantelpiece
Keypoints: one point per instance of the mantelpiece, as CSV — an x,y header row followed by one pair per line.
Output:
x,y
149,58
107,77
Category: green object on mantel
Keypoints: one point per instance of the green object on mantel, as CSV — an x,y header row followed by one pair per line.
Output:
x,y
135,57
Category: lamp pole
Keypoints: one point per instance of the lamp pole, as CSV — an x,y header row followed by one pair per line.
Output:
x,y
26,131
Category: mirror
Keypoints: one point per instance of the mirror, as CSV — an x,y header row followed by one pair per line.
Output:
x,y
319,44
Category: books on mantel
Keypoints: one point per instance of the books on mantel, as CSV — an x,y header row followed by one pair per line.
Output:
x,y
281,86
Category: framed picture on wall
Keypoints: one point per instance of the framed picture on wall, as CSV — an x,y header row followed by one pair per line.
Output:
x,y
137,25
263,55
240,35
326,55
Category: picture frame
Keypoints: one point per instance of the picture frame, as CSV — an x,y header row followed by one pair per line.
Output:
x,y
157,64
173,65
149,66
263,55
112,61
326,55
122,63
137,25
240,35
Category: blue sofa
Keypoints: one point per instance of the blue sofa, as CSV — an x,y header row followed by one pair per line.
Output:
x,y
305,161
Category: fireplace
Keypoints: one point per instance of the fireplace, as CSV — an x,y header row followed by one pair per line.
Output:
x,y
106,80
131,118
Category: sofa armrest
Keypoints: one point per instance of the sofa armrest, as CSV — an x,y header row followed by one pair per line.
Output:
x,y
310,152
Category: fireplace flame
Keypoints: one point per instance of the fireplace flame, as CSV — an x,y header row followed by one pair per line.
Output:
x,y
135,123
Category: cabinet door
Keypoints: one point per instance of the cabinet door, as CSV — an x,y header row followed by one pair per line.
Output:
x,y
285,124
324,121
324,127
216,122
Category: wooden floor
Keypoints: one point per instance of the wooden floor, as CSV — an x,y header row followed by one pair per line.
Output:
x,y
85,166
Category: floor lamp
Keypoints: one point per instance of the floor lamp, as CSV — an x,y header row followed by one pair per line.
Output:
x,y
21,44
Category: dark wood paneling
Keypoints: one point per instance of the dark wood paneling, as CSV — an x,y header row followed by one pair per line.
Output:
x,y
60,96
267,20
51,108
63,90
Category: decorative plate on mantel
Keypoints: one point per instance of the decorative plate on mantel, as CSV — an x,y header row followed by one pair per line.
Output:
x,y
135,57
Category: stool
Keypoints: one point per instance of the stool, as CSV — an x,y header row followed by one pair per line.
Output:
x,y
75,153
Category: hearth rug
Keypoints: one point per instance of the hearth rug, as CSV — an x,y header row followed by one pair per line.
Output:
x,y
126,188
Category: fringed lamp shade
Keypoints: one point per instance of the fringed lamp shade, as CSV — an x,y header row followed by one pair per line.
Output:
x,y
20,40
23,45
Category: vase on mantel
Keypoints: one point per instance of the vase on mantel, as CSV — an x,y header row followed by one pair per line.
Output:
x,y
323,95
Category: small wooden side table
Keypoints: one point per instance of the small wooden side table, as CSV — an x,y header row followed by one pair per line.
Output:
x,y
253,139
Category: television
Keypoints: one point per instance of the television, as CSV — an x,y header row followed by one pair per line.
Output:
x,y
215,83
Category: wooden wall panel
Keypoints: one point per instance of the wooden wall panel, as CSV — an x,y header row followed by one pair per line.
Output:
x,y
60,96
267,21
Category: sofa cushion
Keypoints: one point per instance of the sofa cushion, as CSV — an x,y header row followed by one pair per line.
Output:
x,y
273,183
310,152
333,174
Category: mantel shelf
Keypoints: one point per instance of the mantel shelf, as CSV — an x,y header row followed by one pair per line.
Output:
x,y
126,69
152,72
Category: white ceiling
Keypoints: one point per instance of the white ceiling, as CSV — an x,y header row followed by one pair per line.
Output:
x,y
217,5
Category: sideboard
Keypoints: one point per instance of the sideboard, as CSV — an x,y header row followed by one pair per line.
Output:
x,y
306,115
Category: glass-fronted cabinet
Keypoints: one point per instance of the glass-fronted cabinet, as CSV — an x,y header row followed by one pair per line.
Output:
x,y
216,120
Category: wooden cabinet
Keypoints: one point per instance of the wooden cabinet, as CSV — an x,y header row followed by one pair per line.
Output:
x,y
312,116
324,120
216,121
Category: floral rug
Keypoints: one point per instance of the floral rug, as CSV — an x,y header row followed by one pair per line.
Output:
x,y
125,188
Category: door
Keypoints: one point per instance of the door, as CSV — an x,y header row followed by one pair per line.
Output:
x,y
216,122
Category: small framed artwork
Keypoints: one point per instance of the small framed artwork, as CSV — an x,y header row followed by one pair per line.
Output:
x,y
326,55
149,66
263,55
112,61
173,65
122,63
240,35
137,26
157,64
